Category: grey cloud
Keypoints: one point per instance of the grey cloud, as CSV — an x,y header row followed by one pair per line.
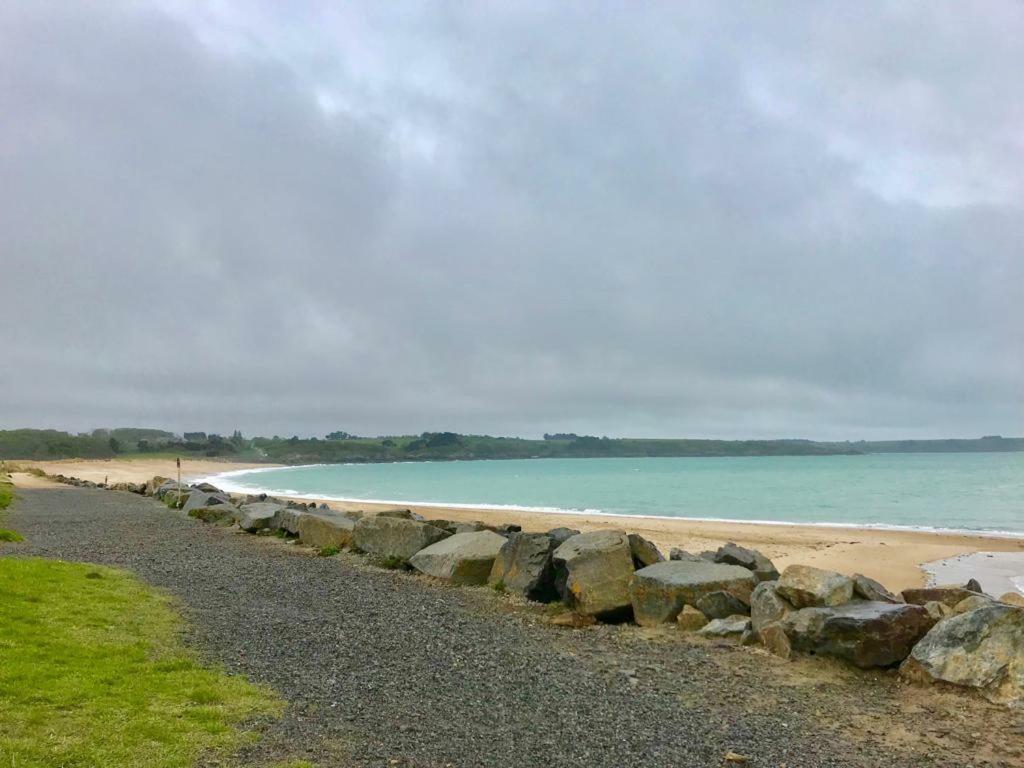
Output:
x,y
711,220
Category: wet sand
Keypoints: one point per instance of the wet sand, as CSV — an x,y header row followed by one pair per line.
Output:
x,y
894,558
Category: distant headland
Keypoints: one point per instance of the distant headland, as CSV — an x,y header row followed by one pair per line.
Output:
x,y
342,447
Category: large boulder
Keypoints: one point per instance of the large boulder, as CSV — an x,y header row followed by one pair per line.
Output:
x,y
322,529
197,499
1012,598
867,633
766,606
869,589
524,566
561,535
981,649
260,516
288,520
593,571
168,487
751,559
659,592
644,552
947,594
804,587
464,558
221,514
722,605
972,602
394,538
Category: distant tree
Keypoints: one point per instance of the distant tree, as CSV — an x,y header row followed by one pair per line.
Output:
x,y
440,439
142,446
195,437
114,444
339,435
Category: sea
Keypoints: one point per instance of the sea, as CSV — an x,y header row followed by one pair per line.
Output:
x,y
972,492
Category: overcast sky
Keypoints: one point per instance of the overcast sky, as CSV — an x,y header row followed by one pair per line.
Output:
x,y
680,219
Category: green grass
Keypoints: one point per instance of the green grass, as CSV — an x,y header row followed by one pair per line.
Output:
x,y
329,551
6,492
93,673
6,497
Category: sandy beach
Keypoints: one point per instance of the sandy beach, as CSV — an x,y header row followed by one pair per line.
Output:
x,y
894,558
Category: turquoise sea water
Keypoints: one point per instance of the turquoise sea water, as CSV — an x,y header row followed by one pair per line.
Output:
x,y
959,491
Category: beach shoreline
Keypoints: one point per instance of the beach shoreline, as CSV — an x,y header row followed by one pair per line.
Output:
x,y
895,557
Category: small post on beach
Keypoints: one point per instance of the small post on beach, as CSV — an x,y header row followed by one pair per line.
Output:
x,y
178,462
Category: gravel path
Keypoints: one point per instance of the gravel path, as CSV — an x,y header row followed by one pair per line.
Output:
x,y
382,668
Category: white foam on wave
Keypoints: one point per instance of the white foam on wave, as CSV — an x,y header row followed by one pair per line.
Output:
x,y
225,481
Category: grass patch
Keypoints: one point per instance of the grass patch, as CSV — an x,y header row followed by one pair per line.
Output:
x,y
328,551
6,498
499,586
93,672
6,492
393,563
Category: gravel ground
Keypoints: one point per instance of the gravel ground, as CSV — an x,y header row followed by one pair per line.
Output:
x,y
389,669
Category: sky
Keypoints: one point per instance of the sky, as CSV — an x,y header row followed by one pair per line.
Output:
x,y
706,219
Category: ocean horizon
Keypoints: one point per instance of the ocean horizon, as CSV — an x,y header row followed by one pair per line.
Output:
x,y
977,493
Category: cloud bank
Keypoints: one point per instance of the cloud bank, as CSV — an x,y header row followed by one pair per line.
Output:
x,y
725,220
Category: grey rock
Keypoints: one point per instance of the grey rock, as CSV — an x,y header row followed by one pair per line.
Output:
x,y
325,529
644,552
730,626
1013,598
946,594
938,611
866,633
869,589
260,516
981,649
766,606
690,619
681,554
775,640
168,487
562,535
659,592
593,571
394,537
468,527
288,520
198,499
464,558
220,514
751,559
524,566
401,514
721,605
804,586
972,602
